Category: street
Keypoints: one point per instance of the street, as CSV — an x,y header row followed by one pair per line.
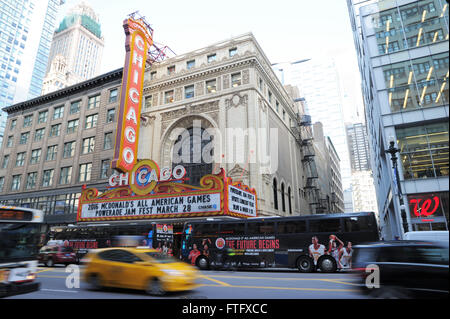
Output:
x,y
286,284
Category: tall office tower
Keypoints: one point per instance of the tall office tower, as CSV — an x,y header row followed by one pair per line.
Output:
x,y
319,84
402,48
76,50
364,195
358,146
26,28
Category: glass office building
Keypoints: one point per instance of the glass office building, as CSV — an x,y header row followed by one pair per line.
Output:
x,y
402,48
26,29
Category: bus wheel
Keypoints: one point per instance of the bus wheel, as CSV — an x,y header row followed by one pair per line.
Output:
x,y
327,264
202,263
305,264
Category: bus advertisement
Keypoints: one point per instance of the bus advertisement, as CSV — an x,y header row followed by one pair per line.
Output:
x,y
308,243
19,244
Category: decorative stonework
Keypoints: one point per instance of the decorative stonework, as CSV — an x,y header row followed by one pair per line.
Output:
x,y
199,88
236,100
226,82
262,105
147,120
210,108
190,109
219,83
178,94
245,76
267,178
237,171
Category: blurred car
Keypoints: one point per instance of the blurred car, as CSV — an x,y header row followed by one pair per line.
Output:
x,y
432,235
137,268
407,269
56,254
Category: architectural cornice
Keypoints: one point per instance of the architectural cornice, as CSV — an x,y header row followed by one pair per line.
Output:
x,y
185,76
79,87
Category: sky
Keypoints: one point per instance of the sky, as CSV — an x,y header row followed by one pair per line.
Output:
x,y
286,30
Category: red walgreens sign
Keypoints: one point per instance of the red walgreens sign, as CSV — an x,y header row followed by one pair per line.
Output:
x,y
424,206
138,40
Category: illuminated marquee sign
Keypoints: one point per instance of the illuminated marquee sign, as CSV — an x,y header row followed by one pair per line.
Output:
x,y
138,40
149,192
241,202
144,176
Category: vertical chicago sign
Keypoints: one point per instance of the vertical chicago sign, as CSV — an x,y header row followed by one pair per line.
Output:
x,y
138,41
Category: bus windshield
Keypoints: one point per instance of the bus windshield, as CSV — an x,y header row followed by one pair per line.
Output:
x,y
18,241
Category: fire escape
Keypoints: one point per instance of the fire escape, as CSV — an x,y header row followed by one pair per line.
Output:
x,y
304,138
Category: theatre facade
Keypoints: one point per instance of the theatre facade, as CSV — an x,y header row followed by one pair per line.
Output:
x,y
216,127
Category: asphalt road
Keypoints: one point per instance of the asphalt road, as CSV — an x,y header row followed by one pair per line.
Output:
x,y
213,285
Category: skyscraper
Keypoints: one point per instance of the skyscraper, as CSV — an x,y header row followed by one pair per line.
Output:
x,y
402,47
358,146
76,50
364,195
26,28
319,84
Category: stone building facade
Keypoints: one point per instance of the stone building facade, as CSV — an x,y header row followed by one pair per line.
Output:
x,y
223,101
56,143
227,87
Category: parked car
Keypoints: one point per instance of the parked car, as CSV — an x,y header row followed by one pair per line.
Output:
x,y
137,268
57,254
407,269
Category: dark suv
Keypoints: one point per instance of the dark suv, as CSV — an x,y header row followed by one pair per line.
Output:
x,y
57,254
407,269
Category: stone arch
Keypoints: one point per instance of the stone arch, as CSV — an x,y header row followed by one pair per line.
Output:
x,y
171,133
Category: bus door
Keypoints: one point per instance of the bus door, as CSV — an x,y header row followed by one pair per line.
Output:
x,y
177,239
163,238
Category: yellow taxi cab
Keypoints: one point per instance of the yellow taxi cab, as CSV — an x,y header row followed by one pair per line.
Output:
x,y
137,268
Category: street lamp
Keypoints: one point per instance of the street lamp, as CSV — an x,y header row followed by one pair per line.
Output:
x,y
393,151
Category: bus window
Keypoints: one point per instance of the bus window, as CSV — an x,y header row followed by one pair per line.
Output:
x,y
290,227
205,229
232,228
258,228
331,225
360,223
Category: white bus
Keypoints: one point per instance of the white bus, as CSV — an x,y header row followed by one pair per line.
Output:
x,y
19,239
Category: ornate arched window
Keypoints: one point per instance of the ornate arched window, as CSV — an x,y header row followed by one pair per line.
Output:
x,y
275,194
193,149
283,202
